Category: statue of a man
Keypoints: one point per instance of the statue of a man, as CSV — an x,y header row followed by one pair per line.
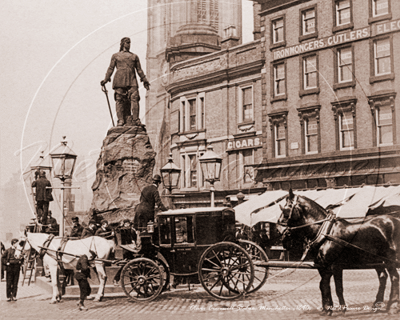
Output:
x,y
125,84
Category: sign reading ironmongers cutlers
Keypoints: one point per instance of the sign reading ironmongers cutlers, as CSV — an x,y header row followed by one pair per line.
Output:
x,y
244,143
318,44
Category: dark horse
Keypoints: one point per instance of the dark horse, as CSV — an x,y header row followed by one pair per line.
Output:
x,y
337,244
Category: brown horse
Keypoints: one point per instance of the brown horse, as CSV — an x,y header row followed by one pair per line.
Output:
x,y
337,244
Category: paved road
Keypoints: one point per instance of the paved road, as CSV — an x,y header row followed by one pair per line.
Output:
x,y
288,294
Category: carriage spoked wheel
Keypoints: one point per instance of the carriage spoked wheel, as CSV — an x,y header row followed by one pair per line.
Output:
x,y
226,271
142,279
257,254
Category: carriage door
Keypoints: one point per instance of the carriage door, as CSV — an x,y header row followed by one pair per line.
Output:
x,y
185,258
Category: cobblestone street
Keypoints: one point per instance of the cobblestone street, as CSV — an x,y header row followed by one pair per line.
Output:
x,y
288,294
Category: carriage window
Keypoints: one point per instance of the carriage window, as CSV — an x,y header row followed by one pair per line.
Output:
x,y
165,230
184,230
206,229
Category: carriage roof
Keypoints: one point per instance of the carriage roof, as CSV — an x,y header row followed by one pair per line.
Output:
x,y
188,211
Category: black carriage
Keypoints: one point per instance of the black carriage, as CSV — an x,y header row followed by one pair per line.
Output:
x,y
198,244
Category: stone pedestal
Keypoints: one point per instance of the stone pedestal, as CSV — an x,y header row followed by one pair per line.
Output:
x,y
124,168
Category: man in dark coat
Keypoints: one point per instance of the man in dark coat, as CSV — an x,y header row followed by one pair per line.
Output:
x,y
13,266
105,231
90,230
125,84
3,248
148,199
82,275
77,229
43,196
52,225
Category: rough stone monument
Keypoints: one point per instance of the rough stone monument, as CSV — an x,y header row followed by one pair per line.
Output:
x,y
124,168
126,162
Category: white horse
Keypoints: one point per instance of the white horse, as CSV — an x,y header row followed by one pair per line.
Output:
x,y
72,250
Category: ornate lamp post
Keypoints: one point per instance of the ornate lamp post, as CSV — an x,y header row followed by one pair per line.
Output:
x,y
210,164
170,175
63,159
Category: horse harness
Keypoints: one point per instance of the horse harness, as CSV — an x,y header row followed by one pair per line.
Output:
x,y
323,234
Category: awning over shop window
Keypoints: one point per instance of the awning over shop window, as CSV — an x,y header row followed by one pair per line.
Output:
x,y
347,203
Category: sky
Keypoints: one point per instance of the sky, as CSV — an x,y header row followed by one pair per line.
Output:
x,y
53,56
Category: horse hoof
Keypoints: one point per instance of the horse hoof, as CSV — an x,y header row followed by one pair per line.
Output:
x,y
53,302
97,299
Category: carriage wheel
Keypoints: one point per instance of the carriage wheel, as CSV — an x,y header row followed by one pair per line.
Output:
x,y
257,254
226,271
142,279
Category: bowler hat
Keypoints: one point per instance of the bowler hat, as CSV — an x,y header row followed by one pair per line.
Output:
x,y
157,178
75,219
92,221
14,241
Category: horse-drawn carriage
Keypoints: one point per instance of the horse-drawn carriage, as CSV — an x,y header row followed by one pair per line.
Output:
x,y
198,244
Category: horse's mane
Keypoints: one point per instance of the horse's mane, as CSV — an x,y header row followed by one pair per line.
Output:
x,y
314,205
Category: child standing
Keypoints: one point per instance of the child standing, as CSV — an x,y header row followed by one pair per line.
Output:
x,y
82,275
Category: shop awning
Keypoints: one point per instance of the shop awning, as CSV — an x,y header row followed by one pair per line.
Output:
x,y
346,203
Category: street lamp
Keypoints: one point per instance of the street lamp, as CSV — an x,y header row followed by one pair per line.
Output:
x,y
170,175
210,164
63,159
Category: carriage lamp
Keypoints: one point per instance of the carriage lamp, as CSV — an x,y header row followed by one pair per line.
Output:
x,y
170,175
63,159
210,164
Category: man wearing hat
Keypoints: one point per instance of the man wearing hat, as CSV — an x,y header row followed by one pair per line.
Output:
x,y
13,266
125,84
148,199
105,231
77,229
43,196
90,230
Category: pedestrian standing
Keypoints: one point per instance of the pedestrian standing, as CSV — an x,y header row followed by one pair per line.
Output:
x,y
13,266
3,248
82,275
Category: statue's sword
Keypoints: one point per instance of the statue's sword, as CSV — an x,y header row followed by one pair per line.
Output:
x,y
103,88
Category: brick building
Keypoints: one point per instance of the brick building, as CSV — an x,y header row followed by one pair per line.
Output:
x,y
206,89
329,94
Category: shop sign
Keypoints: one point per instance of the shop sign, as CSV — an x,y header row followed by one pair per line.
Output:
x,y
382,28
244,143
323,43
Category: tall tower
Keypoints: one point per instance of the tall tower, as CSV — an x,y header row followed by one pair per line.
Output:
x,y
179,30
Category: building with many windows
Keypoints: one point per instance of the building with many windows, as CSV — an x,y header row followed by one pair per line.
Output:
x,y
205,90
329,94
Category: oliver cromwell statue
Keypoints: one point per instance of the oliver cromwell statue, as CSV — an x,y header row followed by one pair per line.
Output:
x,y
125,84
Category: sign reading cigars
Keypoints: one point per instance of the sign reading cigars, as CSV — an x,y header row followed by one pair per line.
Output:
x,y
244,143
337,39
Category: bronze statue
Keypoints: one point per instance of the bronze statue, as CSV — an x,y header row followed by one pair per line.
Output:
x,y
125,84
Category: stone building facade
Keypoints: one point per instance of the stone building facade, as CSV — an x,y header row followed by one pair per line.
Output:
x,y
205,89
329,93
180,30
216,99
